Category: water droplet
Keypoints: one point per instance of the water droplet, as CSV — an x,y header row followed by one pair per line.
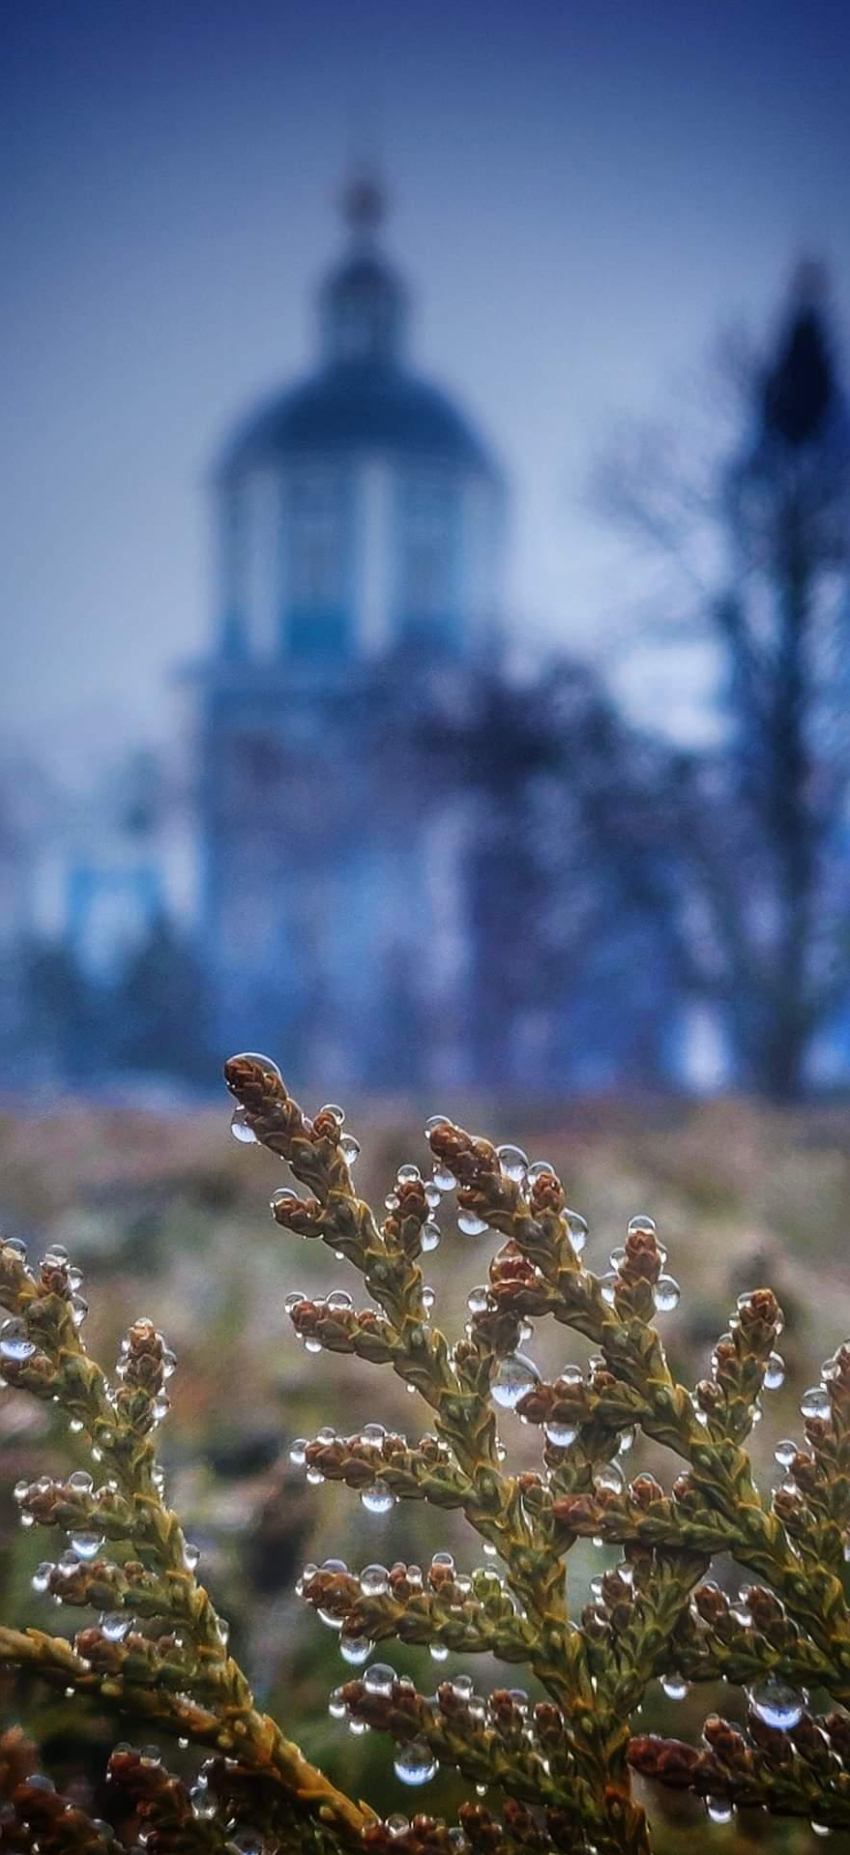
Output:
x,y
470,1224
408,1175
191,1555
241,1128
349,1148
336,1705
540,1169
161,1406
86,1544
79,1309
283,1195
430,1235
396,1826
674,1687
379,1678
378,1499
374,1580
373,1434
115,1626
298,1451
262,1062
491,1551
820,1829
438,1652
355,1649
774,1372
41,1576
330,1619
785,1452
719,1809
479,1299
339,1298
814,1403
17,1246
415,1763
576,1230
203,1803
80,1481
432,1195
76,1425
516,1375
444,1180
776,1703
513,1162
642,1226
667,1294
15,1342
608,1285
627,1440
561,1434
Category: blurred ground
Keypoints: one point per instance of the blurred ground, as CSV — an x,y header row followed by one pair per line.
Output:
x,y
168,1217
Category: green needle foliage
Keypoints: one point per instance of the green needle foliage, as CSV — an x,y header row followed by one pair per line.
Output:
x,y
561,1768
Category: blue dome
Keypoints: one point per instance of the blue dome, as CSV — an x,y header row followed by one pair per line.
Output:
x,y
357,406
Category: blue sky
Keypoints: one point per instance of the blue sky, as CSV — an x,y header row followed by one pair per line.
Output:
x,y
583,193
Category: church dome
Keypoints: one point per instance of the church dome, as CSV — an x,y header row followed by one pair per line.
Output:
x,y
363,397
358,405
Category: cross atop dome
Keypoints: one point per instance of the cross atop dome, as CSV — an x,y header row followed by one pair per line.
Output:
x,y
364,204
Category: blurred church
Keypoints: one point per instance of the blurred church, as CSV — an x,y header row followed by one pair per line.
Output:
x,y
360,524
366,856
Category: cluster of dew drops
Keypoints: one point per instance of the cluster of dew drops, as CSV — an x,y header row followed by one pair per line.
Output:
x,y
84,1543
773,1700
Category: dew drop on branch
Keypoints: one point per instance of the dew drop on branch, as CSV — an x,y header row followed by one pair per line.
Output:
x,y
379,1678
378,1499
516,1375
667,1294
513,1162
15,1342
776,1703
86,1543
355,1649
415,1763
241,1128
470,1224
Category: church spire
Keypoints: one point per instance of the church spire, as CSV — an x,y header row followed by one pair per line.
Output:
x,y
364,204
363,303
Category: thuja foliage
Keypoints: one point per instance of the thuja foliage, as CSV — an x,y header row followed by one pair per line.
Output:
x,y
557,1771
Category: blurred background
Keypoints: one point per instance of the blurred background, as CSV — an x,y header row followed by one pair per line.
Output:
x,y
426,604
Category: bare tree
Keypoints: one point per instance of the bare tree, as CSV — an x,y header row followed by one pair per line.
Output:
x,y
757,825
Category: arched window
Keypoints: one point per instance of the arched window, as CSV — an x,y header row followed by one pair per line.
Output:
x,y
316,524
427,549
